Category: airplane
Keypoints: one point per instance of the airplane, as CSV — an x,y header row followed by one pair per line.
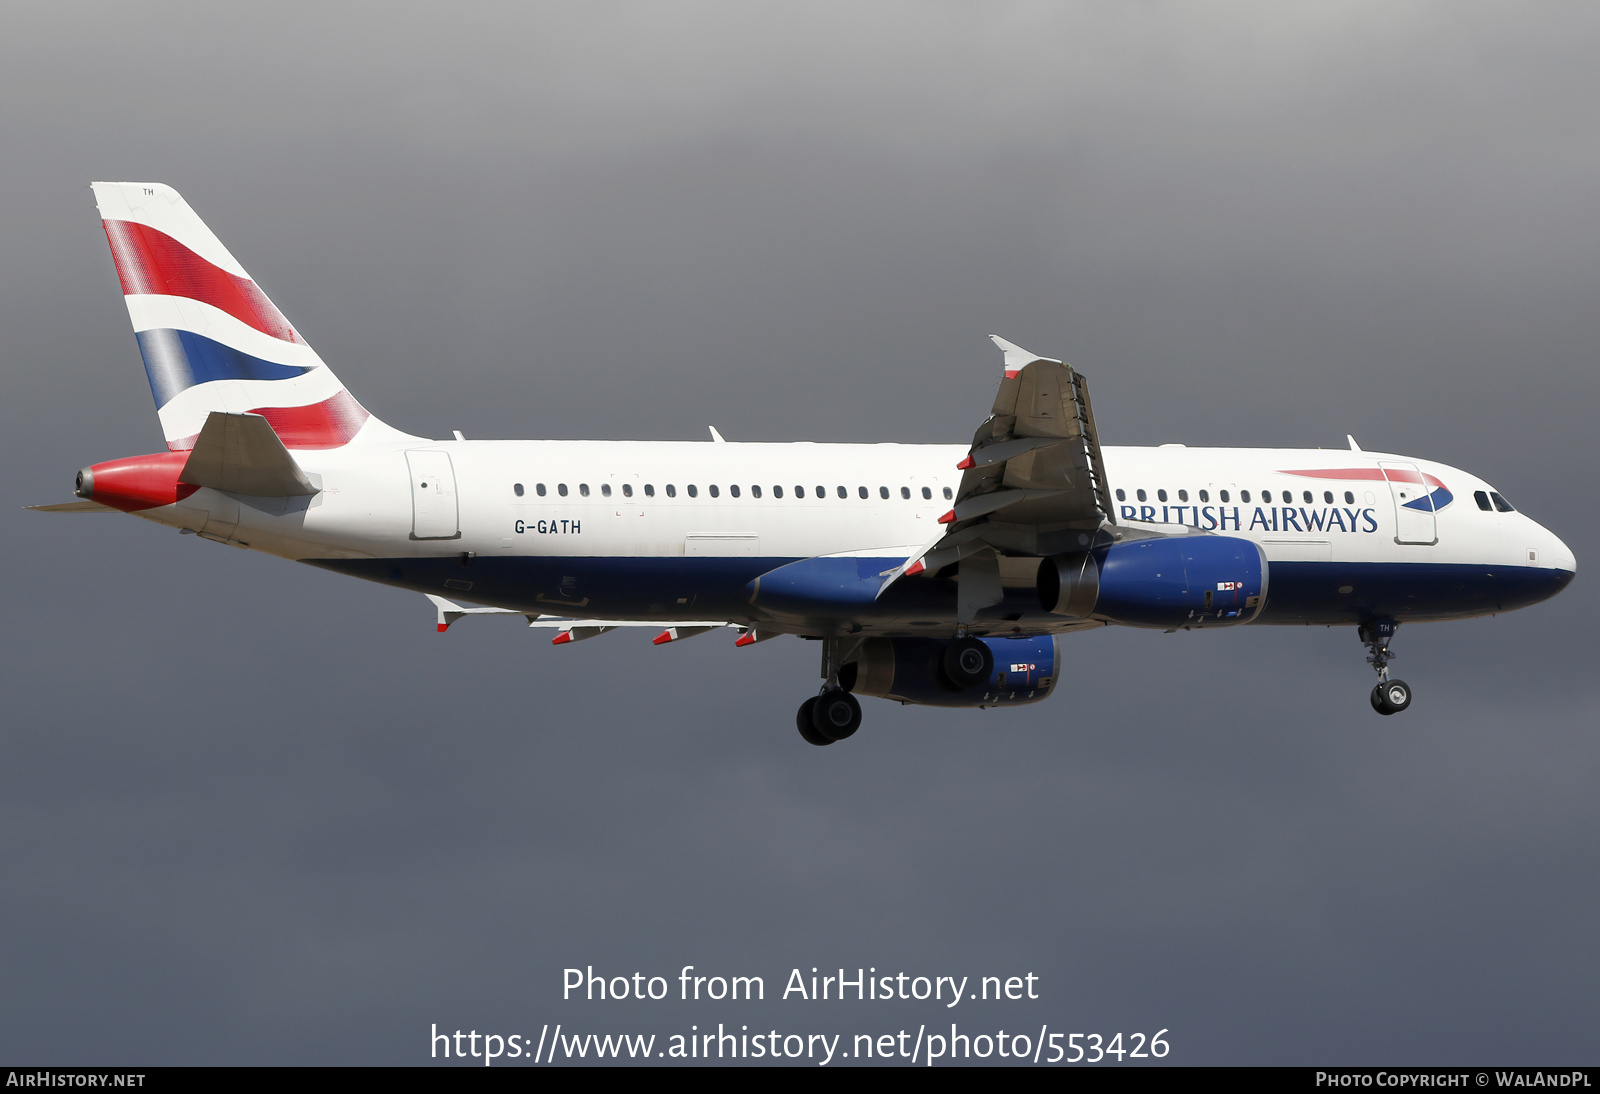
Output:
x,y
944,575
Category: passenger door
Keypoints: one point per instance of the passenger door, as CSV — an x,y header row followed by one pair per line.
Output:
x,y
1413,505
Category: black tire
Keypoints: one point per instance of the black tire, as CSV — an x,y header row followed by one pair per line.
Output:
x,y
967,662
1397,695
1391,697
835,714
803,720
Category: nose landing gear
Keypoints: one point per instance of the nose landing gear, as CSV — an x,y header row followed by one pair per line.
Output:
x,y
1390,696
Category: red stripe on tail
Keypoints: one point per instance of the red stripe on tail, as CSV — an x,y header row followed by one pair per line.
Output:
x,y
153,263
328,424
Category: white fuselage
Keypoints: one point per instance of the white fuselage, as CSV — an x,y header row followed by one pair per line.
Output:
x,y
756,506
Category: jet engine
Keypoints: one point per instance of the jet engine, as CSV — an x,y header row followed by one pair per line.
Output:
x,y
1168,581
909,671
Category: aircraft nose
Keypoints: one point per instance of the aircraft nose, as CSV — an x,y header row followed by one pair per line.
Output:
x,y
1559,556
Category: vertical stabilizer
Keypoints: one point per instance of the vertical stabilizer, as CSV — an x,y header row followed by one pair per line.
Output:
x,y
210,338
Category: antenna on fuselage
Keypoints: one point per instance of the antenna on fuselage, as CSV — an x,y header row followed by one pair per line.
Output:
x,y
1353,446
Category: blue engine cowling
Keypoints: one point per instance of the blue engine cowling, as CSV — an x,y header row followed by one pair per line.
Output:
x,y
1169,581
907,670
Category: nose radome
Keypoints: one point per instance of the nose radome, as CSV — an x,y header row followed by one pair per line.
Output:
x,y
1559,556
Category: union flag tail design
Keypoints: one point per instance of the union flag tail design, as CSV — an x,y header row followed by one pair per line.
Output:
x,y
210,338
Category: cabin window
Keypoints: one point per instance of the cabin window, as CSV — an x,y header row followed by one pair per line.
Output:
x,y
1223,494
1327,497
927,495
843,493
672,491
538,488
883,491
755,491
1205,495
733,491
822,491
649,490
694,491
1161,495
1122,495
1482,498
1141,495
561,488
583,488
777,491
1266,495
1244,496
516,488
1501,503
1305,495
1349,497
712,488
627,490
605,490
948,494
1183,495
905,491
861,491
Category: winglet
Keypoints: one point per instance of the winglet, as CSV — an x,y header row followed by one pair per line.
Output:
x,y
715,436
450,611
1017,358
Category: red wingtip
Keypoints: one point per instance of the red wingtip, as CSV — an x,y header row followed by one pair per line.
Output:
x,y
1011,373
564,636
915,568
965,464
443,627
948,518
745,639
664,636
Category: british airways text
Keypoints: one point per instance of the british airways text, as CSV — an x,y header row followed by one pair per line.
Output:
x,y
1277,518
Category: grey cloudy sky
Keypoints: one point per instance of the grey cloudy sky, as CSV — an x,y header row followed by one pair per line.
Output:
x,y
253,812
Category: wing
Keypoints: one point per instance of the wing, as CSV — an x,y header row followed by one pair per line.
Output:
x,y
576,630
1034,482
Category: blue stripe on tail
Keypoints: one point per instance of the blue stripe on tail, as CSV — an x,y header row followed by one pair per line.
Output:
x,y
176,360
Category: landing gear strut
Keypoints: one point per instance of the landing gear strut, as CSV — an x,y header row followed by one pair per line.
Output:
x,y
1390,696
834,714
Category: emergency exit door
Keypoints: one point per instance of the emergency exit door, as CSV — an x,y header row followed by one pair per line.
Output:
x,y
433,495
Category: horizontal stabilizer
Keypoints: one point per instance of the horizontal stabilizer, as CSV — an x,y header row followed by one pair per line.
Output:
x,y
241,454
73,507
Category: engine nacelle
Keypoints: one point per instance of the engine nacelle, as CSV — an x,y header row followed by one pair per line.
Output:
x,y
908,670
1168,581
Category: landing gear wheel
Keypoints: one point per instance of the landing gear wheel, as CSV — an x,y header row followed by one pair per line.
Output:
x,y
1391,697
967,662
808,730
835,714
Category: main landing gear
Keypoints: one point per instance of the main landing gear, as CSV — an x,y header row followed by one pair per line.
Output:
x,y
834,714
829,717
1390,696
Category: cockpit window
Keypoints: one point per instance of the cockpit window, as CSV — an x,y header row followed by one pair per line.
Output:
x,y
1501,503
1482,498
